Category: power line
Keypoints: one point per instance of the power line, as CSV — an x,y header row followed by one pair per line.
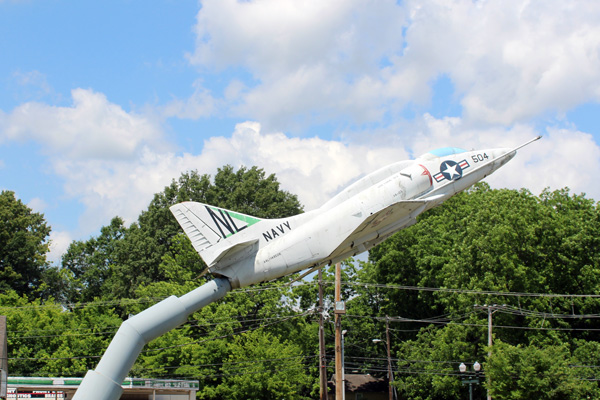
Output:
x,y
434,322
283,319
465,291
189,324
532,313
224,375
126,302
437,320
67,306
238,364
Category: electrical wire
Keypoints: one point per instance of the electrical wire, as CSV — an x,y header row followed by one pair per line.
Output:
x,y
189,324
441,320
463,291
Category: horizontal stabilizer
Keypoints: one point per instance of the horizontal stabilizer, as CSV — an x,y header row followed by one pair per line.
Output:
x,y
238,250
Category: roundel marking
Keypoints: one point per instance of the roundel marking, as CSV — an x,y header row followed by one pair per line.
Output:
x,y
451,170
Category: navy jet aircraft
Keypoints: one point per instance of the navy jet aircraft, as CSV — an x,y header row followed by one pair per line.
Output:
x,y
247,250
241,250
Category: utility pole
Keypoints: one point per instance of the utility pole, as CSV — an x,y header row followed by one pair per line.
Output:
x,y
389,357
343,367
3,357
489,381
322,355
340,309
491,309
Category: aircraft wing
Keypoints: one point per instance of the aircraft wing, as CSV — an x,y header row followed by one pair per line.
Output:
x,y
378,224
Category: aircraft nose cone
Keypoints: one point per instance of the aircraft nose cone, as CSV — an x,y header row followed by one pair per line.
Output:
x,y
502,151
502,156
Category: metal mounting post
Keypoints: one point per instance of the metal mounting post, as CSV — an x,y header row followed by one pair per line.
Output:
x,y
104,383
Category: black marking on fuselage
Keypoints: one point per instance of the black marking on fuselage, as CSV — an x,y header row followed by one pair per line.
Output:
x,y
273,234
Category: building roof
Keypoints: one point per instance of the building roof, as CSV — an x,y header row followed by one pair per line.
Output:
x,y
363,383
130,385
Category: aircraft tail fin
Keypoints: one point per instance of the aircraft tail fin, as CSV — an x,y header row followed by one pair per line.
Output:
x,y
211,229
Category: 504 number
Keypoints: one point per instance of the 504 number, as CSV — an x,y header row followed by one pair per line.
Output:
x,y
479,157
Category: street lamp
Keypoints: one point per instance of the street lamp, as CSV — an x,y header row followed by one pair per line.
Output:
x,y
470,378
392,391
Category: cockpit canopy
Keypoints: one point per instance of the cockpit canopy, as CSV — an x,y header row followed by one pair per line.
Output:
x,y
442,152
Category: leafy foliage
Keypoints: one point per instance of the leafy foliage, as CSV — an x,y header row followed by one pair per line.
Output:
x,y
121,259
23,245
481,244
44,337
262,366
427,283
526,372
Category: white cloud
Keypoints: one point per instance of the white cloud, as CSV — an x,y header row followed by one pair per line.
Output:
x,y
313,168
273,37
124,188
59,243
200,104
509,60
37,205
105,155
310,59
91,128
562,158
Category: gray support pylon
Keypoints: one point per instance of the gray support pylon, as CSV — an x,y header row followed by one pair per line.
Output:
x,y
104,383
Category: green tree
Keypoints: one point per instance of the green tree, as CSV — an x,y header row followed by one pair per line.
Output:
x,y
45,339
482,243
89,263
23,245
531,372
493,241
261,366
428,364
199,348
121,260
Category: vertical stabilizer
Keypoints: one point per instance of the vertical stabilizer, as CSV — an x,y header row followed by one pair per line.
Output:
x,y
208,227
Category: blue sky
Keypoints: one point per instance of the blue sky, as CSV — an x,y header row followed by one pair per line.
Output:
x,y
102,104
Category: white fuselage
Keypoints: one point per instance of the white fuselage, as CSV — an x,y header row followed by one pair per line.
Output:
x,y
387,200
242,250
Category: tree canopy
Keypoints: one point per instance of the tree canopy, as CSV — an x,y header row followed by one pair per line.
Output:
x,y
23,245
122,259
530,262
533,260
